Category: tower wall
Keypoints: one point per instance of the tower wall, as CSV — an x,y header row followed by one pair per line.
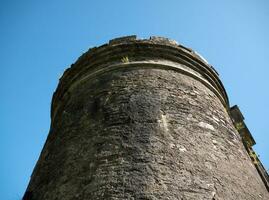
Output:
x,y
143,119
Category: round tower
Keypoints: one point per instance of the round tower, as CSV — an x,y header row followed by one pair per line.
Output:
x,y
143,119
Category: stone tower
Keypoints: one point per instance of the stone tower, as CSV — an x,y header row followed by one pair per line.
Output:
x,y
145,119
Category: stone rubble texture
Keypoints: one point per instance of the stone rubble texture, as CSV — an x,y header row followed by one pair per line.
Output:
x,y
153,126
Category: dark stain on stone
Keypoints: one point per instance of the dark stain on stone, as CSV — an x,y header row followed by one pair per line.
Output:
x,y
95,107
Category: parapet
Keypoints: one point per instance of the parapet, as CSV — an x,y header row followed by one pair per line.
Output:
x,y
130,52
248,141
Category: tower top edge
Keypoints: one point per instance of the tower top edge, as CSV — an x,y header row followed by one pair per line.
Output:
x,y
129,49
158,40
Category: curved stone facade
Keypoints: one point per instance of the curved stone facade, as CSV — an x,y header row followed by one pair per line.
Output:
x,y
143,119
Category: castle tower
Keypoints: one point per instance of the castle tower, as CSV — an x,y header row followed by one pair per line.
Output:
x,y
144,119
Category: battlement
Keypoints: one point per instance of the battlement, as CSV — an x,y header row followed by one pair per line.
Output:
x,y
131,52
249,142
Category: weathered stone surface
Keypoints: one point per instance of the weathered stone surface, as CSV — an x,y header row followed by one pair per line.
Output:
x,y
150,128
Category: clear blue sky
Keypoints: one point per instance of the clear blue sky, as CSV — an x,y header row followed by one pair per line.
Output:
x,y
39,39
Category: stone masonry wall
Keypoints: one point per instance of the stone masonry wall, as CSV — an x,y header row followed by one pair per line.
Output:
x,y
142,132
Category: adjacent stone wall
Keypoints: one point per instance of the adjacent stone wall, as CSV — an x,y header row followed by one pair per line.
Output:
x,y
142,125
